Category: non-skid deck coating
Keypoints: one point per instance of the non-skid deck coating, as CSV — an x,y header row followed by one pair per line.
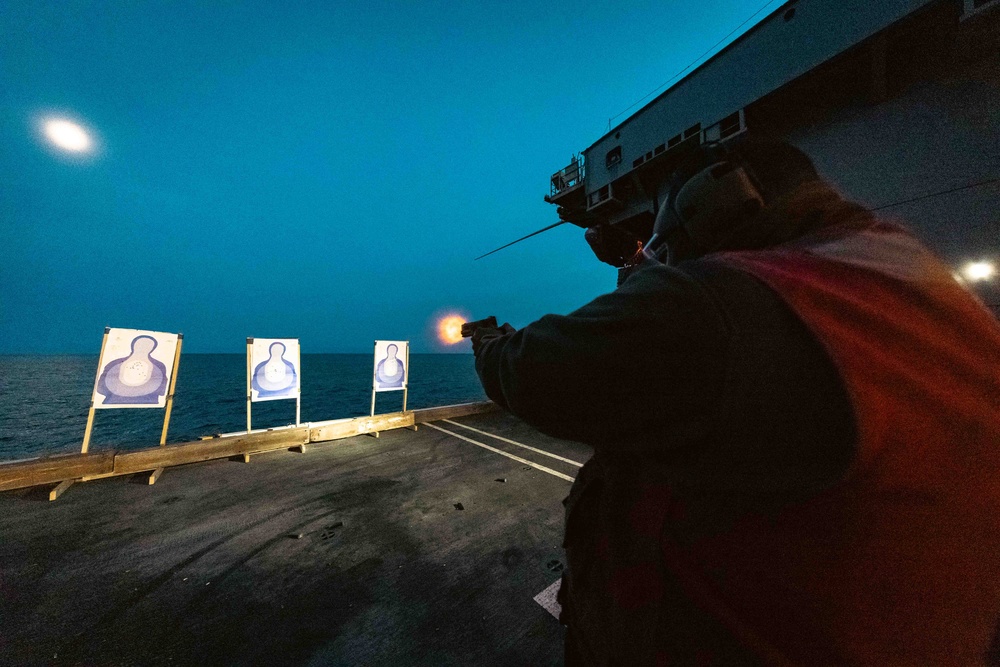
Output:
x,y
351,554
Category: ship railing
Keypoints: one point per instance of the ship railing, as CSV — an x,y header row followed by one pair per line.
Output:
x,y
568,177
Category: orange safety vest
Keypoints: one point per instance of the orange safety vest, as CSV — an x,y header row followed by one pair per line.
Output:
x,y
898,563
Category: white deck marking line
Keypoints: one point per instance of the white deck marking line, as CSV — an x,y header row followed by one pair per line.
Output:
x,y
501,453
513,442
547,599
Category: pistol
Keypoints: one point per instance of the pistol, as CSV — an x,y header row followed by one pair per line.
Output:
x,y
469,328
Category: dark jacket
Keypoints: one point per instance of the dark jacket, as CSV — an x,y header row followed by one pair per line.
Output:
x,y
702,394
794,452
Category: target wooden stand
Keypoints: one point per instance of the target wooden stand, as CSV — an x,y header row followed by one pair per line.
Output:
x,y
406,381
88,430
250,388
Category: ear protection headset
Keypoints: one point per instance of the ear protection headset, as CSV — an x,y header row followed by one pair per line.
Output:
x,y
711,193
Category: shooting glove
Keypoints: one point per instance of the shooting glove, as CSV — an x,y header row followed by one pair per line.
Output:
x,y
483,334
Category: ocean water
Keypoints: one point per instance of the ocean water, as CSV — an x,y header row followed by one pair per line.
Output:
x,y
44,400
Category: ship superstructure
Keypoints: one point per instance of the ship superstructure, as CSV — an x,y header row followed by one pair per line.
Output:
x,y
895,100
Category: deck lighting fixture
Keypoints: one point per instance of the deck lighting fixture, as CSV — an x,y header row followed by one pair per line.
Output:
x,y
979,271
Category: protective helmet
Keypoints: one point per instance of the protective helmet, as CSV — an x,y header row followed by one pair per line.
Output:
x,y
718,190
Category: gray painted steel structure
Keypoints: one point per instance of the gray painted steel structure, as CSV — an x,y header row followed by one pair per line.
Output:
x,y
767,57
894,100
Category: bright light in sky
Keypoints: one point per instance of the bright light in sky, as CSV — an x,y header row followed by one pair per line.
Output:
x,y
977,271
67,135
450,329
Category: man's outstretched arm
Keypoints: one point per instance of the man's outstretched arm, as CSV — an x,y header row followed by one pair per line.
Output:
x,y
650,354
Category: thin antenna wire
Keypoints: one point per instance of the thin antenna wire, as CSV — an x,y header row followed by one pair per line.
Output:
x,y
878,208
937,194
676,76
544,229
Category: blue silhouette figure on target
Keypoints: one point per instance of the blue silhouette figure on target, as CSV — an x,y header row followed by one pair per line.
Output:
x,y
276,376
390,371
137,379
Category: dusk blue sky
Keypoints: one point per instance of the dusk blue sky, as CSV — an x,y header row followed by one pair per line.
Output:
x,y
326,171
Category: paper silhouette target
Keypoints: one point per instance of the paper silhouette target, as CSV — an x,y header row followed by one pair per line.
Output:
x,y
391,359
274,369
135,369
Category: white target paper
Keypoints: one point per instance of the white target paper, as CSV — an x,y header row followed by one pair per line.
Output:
x,y
391,359
135,369
274,369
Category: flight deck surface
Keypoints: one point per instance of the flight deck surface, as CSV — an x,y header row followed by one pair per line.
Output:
x,y
414,548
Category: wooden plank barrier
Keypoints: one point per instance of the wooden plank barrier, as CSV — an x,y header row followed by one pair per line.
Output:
x,y
205,450
94,465
453,411
52,469
348,428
